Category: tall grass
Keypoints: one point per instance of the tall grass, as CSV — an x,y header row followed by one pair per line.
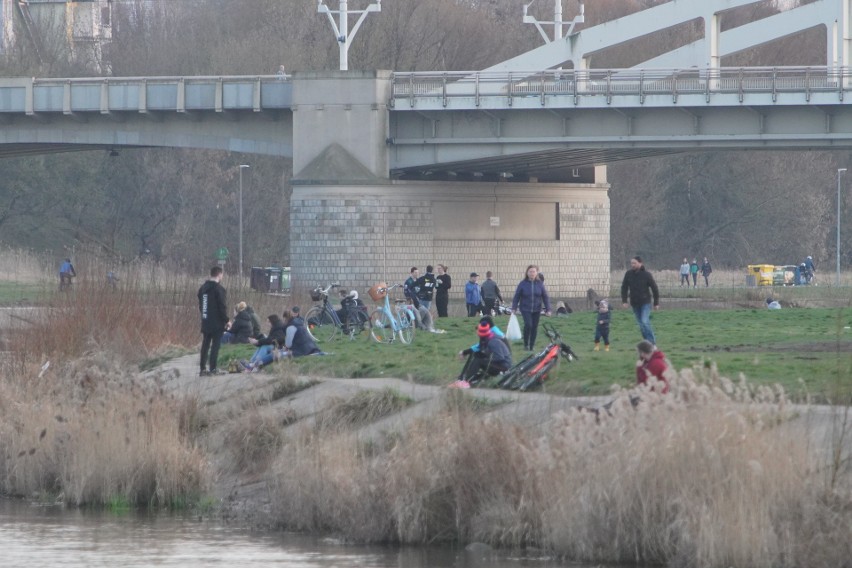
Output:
x,y
89,433
710,475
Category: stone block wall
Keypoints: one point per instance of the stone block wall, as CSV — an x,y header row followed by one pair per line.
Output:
x,y
358,235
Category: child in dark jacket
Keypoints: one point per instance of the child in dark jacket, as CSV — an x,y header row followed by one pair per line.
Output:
x,y
602,327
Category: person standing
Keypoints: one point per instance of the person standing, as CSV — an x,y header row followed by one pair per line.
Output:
x,y
693,271
490,293
443,283
706,269
641,287
409,287
426,287
684,273
530,296
602,327
472,295
212,303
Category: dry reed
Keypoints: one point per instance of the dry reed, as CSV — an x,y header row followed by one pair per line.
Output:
x,y
708,475
90,433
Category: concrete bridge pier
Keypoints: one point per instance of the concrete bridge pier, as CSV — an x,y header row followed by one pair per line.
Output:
x,y
351,223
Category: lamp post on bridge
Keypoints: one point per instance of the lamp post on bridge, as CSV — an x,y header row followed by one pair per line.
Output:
x,y
839,172
242,167
341,31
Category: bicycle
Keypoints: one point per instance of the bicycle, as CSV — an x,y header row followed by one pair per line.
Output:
x,y
533,371
386,323
323,322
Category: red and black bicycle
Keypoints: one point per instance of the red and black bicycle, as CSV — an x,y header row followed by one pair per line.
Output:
x,y
531,372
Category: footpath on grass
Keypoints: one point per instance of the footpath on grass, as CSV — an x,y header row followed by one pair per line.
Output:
x,y
224,399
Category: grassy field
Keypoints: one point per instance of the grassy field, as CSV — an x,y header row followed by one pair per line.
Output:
x,y
807,351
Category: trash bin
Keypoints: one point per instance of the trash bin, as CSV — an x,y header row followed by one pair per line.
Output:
x,y
760,274
266,279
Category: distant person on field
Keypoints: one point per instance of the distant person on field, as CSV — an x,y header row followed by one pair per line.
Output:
x,y
706,269
298,341
693,271
489,357
112,279
490,293
772,304
684,273
213,305
473,295
602,325
425,286
443,283
66,273
530,297
642,289
651,363
810,269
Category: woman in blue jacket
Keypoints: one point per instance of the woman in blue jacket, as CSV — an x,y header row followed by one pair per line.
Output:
x,y
530,296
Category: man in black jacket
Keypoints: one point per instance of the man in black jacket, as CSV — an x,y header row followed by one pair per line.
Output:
x,y
212,303
426,286
641,286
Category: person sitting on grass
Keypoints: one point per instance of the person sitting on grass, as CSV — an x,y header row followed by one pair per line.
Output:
x,y
298,341
651,363
490,357
240,328
269,346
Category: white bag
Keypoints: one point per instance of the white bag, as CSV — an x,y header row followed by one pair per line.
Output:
x,y
513,331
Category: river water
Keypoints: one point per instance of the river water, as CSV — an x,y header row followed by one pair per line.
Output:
x,y
40,537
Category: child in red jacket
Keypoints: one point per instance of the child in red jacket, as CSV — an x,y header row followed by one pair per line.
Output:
x,y
651,363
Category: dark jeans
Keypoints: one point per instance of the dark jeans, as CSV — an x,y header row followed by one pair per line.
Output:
x,y
210,343
602,332
441,302
489,306
694,280
480,366
530,328
473,309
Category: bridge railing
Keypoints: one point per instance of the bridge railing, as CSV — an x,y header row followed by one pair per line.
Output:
x,y
610,83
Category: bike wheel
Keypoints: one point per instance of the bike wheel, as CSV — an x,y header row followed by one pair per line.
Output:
x,y
537,379
406,325
381,327
320,324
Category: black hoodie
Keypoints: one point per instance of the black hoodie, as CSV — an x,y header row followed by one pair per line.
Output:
x,y
212,303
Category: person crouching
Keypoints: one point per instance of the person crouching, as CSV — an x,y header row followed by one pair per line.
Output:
x,y
490,357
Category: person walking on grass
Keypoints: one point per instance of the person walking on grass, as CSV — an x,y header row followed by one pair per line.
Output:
x,y
706,269
443,283
684,273
639,284
213,305
693,271
530,297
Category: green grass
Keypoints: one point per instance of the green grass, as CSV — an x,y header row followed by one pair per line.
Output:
x,y
798,348
23,293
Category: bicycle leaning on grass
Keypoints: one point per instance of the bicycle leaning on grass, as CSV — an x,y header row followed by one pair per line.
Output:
x,y
323,322
386,322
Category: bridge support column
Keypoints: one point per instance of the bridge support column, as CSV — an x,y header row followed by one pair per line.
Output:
x,y
359,234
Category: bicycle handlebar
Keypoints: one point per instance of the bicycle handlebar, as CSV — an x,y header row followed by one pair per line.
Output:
x,y
328,289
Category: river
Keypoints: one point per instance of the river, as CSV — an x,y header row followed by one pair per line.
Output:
x,y
40,537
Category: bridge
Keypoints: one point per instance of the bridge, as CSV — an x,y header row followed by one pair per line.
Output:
x,y
389,166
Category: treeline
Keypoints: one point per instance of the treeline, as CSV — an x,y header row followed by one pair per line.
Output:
x,y
181,205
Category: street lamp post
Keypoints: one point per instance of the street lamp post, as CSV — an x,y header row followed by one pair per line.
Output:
x,y
242,166
839,171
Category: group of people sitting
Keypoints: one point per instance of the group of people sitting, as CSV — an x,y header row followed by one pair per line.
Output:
x,y
287,337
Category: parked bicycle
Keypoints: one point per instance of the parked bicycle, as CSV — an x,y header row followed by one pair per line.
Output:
x,y
389,323
532,371
323,321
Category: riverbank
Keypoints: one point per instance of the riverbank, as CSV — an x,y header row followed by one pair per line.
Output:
x,y
389,460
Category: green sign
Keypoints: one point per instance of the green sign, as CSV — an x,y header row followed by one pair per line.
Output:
x,y
222,253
